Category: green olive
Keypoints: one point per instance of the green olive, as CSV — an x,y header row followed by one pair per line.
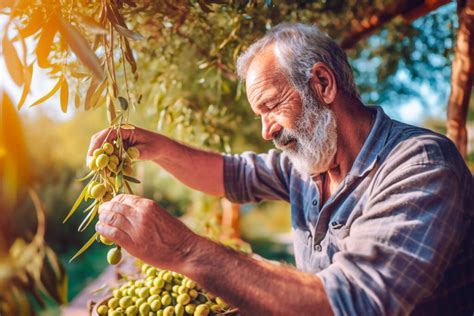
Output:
x,y
144,309
117,293
113,302
140,301
190,308
102,161
145,266
179,310
114,256
169,311
159,283
193,293
108,148
221,303
144,292
190,284
151,272
97,152
133,152
182,289
125,301
166,300
215,308
105,241
153,298
98,191
131,310
183,299
112,167
168,277
155,305
201,310
92,165
102,310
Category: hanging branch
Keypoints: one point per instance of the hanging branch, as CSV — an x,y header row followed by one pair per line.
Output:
x,y
462,77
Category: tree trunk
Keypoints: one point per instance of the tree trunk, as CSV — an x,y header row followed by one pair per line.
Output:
x,y
462,77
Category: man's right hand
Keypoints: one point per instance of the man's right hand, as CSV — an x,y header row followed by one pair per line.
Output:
x,y
145,141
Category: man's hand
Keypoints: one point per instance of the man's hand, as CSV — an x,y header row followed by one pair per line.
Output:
x,y
146,231
199,169
145,141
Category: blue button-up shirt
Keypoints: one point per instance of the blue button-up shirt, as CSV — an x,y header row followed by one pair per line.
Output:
x,y
396,237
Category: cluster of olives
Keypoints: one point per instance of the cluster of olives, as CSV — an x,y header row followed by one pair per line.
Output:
x,y
162,293
111,171
108,162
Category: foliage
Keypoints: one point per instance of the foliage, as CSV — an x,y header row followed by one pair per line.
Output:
x,y
28,266
181,56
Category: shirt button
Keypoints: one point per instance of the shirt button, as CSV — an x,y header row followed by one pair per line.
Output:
x,y
314,203
318,247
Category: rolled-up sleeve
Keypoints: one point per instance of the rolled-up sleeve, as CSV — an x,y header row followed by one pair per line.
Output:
x,y
251,177
398,249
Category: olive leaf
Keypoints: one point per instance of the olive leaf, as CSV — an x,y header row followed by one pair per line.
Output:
x,y
77,203
90,174
86,246
14,65
128,33
97,94
49,94
90,207
80,47
26,87
45,43
64,95
90,92
88,219
129,188
77,98
90,24
131,179
35,23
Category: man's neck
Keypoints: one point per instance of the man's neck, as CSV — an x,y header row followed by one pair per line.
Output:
x,y
354,122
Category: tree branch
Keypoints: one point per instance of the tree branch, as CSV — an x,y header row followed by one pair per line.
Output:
x,y
409,9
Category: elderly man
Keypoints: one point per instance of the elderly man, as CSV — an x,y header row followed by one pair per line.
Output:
x,y
381,211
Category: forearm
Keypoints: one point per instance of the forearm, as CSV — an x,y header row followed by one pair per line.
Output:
x,y
255,287
199,169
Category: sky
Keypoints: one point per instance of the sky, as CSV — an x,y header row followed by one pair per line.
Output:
x,y
412,111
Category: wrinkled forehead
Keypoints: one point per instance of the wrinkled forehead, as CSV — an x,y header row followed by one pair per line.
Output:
x,y
265,68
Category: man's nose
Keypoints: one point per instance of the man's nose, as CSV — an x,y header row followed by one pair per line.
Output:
x,y
269,127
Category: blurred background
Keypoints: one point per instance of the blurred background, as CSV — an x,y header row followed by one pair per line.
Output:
x,y
185,87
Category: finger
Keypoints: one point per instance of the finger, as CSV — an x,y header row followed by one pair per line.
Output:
x,y
116,207
128,199
115,234
116,219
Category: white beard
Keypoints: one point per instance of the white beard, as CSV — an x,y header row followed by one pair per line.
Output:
x,y
316,139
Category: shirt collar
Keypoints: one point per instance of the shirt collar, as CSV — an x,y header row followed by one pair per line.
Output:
x,y
373,145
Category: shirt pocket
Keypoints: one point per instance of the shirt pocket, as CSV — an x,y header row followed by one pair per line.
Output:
x,y
301,246
336,238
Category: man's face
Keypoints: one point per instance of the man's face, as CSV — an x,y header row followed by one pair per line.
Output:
x,y
296,122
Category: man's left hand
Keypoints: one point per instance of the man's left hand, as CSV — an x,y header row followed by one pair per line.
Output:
x,y
146,231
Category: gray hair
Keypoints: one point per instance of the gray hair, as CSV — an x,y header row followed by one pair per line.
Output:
x,y
298,47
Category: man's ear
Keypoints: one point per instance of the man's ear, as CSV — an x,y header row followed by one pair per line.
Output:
x,y
323,82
